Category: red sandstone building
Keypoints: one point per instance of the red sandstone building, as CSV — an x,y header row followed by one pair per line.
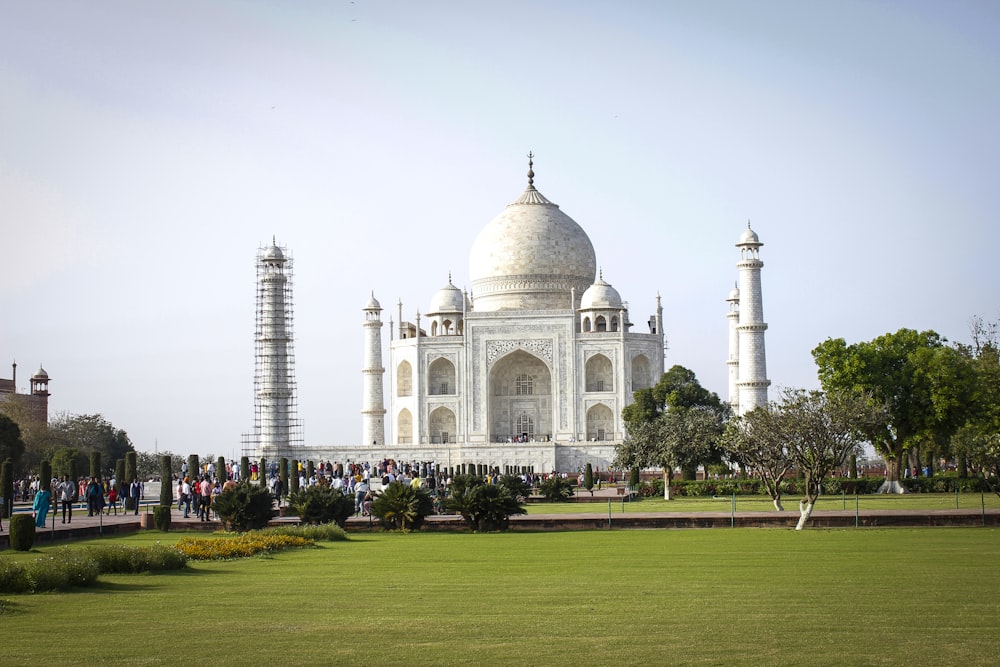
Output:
x,y
37,401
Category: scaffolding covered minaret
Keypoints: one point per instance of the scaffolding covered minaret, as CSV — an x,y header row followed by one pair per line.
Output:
x,y
277,430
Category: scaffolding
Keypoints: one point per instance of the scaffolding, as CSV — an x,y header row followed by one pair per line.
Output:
x,y
277,429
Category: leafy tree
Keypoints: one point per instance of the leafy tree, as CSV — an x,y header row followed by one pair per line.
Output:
x,y
665,407
90,433
67,461
683,438
924,385
755,440
244,507
977,442
822,430
401,507
322,504
11,444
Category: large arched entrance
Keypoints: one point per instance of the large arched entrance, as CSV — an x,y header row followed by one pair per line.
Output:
x,y
520,406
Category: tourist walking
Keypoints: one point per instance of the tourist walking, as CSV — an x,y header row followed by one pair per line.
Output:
x,y
112,501
135,493
186,496
41,506
66,489
205,491
95,497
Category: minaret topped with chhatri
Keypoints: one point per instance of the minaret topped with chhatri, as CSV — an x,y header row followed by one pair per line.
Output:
x,y
373,411
752,383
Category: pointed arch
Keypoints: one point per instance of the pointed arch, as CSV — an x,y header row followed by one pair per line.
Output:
x,y
404,427
443,425
404,379
441,377
599,374
600,423
641,373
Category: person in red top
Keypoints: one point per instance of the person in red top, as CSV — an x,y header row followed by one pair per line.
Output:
x,y
205,491
112,501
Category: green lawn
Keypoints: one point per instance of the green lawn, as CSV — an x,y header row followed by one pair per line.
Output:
x,y
753,596
910,501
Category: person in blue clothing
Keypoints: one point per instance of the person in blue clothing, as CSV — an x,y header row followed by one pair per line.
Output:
x,y
41,506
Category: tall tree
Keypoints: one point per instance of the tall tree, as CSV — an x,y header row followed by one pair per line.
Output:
x,y
90,433
678,438
977,443
822,430
756,440
11,444
914,375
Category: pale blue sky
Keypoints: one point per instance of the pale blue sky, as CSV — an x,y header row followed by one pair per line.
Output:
x,y
148,149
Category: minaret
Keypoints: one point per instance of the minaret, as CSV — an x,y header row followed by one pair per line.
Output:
x,y
276,423
373,412
733,362
753,383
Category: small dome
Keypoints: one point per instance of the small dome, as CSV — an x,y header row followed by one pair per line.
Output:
x,y
601,295
274,253
749,237
734,295
40,374
448,299
373,303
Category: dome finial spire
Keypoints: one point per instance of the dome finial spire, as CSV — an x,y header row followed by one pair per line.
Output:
x,y
531,173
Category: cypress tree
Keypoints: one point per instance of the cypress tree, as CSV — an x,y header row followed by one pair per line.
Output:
x,y
310,469
166,481
194,466
122,488
131,475
95,465
74,476
244,468
262,473
294,480
45,476
588,478
283,474
7,487
220,469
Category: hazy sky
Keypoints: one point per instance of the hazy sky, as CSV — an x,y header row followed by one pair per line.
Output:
x,y
147,149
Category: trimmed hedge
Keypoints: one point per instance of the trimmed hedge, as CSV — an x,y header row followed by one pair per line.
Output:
x,y
834,486
22,532
69,567
161,517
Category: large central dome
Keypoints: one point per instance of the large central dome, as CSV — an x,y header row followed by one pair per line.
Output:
x,y
530,257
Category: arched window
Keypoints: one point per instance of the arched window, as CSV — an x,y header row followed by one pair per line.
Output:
x,y
524,426
601,324
524,385
404,427
404,379
441,378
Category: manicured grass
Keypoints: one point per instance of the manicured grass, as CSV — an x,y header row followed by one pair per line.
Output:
x,y
754,596
910,501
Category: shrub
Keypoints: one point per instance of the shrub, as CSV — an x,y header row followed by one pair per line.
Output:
x,y
95,465
123,559
517,487
401,507
556,489
588,478
22,532
237,546
246,507
484,507
322,504
161,517
329,532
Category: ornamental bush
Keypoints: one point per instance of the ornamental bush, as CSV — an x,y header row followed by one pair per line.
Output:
x,y
484,507
322,504
401,507
556,489
245,507
123,559
22,532
161,517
